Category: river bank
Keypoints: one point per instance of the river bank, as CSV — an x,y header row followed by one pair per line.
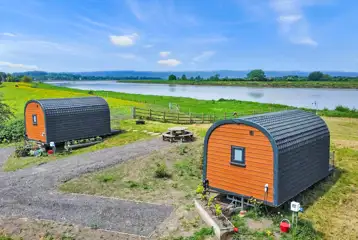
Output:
x,y
16,97
272,84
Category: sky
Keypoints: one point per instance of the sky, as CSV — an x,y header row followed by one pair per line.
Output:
x,y
178,35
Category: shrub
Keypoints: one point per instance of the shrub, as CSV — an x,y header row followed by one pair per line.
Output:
x,y
21,151
12,131
90,92
162,171
5,237
341,108
200,189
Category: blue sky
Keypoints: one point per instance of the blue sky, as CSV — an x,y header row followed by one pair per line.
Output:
x,y
170,35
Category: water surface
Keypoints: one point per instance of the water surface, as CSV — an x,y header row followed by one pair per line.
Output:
x,y
298,97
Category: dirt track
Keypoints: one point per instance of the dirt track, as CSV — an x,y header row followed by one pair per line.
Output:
x,y
32,192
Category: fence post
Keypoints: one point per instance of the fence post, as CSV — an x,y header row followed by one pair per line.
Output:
x,y
178,118
164,116
202,118
150,113
225,116
214,117
133,112
190,117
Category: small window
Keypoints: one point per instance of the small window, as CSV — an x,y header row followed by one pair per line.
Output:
x,y
34,119
252,133
238,156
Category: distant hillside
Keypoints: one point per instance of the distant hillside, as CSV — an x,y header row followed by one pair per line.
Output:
x,y
164,75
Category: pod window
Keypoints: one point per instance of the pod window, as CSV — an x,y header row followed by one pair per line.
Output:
x,y
34,119
238,156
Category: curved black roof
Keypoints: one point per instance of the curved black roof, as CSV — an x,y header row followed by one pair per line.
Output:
x,y
292,128
63,103
75,118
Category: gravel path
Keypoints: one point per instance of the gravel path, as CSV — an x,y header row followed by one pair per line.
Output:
x,y
32,192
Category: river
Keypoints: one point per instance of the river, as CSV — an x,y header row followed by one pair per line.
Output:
x,y
298,97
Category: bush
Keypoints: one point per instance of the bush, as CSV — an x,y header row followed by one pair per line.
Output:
x,y
162,171
341,108
21,151
12,131
90,92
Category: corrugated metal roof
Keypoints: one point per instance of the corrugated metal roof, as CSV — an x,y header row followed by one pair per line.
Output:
x,y
291,129
63,103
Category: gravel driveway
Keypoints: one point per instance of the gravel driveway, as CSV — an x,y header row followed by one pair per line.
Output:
x,y
32,192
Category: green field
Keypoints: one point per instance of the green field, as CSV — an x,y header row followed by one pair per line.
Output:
x,y
275,84
17,94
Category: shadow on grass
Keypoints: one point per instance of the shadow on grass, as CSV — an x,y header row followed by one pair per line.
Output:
x,y
308,197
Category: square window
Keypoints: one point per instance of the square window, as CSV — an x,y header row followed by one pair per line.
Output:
x,y
238,156
34,119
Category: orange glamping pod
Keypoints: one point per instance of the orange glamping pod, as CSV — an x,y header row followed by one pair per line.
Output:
x,y
270,157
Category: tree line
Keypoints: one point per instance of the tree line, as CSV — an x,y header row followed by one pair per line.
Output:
x,y
44,76
260,75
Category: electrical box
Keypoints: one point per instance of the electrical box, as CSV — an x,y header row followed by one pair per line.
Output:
x,y
295,206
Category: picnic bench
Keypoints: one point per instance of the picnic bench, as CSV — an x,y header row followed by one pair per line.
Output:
x,y
175,134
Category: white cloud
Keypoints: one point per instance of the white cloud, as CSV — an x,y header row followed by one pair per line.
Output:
x,y
204,56
169,62
130,56
306,41
124,40
289,18
164,54
8,34
292,22
135,9
18,65
148,46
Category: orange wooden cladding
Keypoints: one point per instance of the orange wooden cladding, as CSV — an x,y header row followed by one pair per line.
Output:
x,y
35,132
249,180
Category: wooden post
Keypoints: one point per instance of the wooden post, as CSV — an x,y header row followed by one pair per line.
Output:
x,y
164,116
214,117
225,116
202,118
178,117
133,112
150,113
190,117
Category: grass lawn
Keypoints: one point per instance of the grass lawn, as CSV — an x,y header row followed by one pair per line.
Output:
x,y
332,205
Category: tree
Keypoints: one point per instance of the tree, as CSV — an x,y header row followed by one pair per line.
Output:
x,y
26,79
10,78
184,77
256,75
2,77
315,76
172,77
5,112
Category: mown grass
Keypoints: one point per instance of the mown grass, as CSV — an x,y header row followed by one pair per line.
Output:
x,y
132,133
278,84
331,206
138,179
16,97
